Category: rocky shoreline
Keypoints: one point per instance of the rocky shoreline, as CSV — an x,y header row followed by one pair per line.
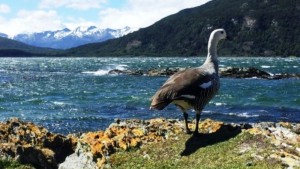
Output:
x,y
230,72
32,144
28,143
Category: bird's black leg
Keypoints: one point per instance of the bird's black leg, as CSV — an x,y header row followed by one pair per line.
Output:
x,y
185,115
197,123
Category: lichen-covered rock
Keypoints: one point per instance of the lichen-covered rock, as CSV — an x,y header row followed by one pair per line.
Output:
x,y
38,157
32,144
81,158
285,138
210,126
123,135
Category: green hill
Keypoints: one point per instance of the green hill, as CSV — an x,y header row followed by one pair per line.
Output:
x,y
258,27
10,47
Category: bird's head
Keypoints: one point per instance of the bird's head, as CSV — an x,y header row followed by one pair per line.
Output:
x,y
218,34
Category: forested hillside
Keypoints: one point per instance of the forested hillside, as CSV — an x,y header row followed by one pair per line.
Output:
x,y
10,47
258,28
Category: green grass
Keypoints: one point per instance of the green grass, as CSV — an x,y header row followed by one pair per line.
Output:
x,y
205,151
11,164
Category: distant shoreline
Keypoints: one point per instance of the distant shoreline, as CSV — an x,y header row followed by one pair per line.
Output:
x,y
29,55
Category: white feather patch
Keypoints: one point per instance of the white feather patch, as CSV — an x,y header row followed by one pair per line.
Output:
x,y
188,96
206,85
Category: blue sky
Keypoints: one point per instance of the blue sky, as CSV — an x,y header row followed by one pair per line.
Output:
x,y
40,15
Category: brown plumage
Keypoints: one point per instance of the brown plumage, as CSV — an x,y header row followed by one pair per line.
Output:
x,y
192,88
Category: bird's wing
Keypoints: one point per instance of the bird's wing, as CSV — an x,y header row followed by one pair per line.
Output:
x,y
181,84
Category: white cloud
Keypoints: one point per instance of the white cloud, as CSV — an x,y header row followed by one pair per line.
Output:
x,y
4,8
31,21
135,13
142,13
73,23
74,4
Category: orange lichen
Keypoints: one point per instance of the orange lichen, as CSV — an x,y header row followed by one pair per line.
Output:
x,y
29,141
138,132
210,126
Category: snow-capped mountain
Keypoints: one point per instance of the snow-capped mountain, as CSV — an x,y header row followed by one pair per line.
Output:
x,y
66,38
3,35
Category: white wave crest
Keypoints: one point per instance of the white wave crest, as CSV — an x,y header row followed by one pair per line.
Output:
x,y
59,103
119,66
105,71
220,104
245,114
97,73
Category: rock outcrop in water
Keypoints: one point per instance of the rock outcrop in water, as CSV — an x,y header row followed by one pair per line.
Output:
x,y
232,72
252,72
32,144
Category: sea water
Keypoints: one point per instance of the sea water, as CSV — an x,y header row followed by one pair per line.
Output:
x,y
70,95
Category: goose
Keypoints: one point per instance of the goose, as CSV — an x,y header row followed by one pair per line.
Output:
x,y
192,88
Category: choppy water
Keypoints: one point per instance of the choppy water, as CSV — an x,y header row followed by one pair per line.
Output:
x,y
69,95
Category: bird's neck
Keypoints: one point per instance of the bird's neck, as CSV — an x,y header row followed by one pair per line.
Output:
x,y
212,58
212,49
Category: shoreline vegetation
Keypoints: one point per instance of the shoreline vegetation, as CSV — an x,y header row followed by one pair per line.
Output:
x,y
153,143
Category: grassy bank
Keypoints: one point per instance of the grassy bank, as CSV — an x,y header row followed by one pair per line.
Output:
x,y
242,151
11,164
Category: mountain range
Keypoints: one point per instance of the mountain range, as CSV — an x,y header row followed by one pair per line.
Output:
x,y
66,38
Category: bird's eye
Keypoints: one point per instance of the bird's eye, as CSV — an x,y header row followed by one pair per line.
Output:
x,y
222,32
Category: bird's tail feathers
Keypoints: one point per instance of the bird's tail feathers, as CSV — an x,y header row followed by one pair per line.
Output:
x,y
158,106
